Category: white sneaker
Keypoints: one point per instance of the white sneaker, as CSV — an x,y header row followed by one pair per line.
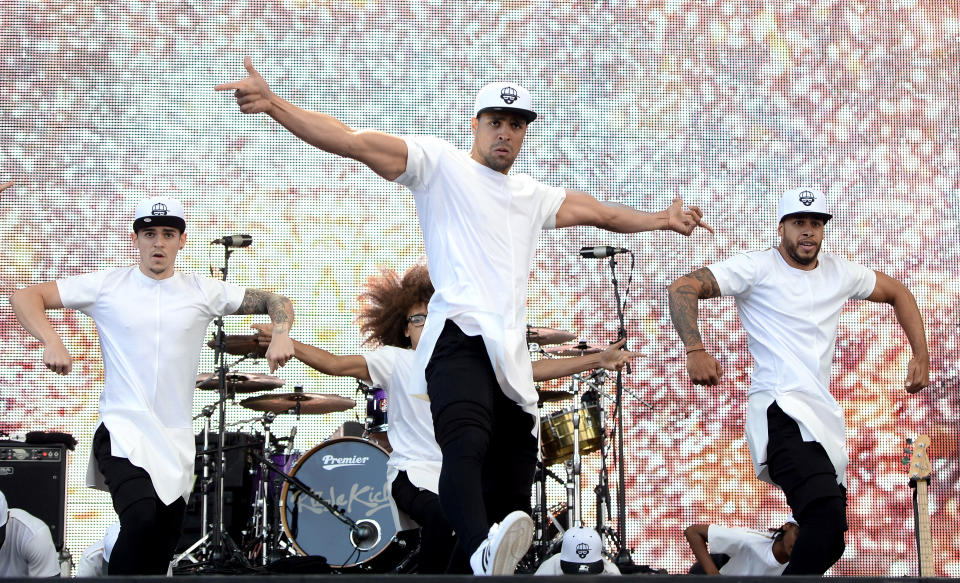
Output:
x,y
506,543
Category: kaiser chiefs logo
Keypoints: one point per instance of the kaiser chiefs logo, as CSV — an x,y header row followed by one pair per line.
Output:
x,y
583,549
159,209
508,95
807,198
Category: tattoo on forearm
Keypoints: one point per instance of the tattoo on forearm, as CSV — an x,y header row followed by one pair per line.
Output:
x,y
684,296
257,301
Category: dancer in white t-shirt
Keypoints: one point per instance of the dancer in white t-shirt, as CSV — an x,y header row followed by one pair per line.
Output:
x,y
26,545
151,320
480,229
393,314
747,551
789,300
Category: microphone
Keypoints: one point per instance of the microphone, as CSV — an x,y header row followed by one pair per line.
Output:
x,y
233,241
601,251
366,535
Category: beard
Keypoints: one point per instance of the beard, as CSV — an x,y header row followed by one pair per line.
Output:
x,y
496,163
792,250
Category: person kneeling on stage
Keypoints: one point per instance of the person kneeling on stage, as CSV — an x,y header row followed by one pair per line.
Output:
x,y
26,545
151,320
95,560
393,314
741,551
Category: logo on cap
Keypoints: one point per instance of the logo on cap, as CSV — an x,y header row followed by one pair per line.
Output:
x,y
508,95
583,549
159,209
806,197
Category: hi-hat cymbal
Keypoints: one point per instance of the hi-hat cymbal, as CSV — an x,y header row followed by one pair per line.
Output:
x,y
309,403
548,335
550,396
578,349
240,345
240,382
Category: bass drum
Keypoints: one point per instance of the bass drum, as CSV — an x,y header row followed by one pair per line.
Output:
x,y
350,473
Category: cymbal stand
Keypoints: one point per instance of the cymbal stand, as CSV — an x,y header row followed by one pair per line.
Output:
x,y
573,465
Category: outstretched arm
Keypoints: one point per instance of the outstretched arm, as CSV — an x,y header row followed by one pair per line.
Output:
x,y
579,208
685,294
696,535
5,185
383,153
891,291
30,305
613,358
318,358
280,310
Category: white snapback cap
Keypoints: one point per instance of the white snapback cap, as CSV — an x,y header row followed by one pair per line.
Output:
x,y
803,200
504,96
580,553
159,211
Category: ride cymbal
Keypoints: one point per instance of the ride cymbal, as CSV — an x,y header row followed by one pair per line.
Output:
x,y
309,403
538,335
240,345
240,382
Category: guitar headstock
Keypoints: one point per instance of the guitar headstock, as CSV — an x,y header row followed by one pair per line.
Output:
x,y
918,464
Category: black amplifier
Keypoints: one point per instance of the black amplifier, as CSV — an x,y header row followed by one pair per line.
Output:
x,y
34,478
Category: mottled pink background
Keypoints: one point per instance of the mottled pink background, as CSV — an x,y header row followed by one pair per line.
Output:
x,y
723,103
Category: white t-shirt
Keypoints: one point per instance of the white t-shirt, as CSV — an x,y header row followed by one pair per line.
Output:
x,y
415,448
480,231
96,556
791,318
91,561
151,334
750,551
28,550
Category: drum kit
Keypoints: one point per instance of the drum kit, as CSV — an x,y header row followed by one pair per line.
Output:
x,y
334,499
331,501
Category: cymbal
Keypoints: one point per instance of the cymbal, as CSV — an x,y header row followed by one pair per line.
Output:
x,y
548,335
240,382
240,345
309,403
578,349
550,396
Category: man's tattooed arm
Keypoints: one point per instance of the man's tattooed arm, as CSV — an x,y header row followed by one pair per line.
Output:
x,y
684,294
279,308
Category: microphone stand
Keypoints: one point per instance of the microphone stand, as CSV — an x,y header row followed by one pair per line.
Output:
x,y
623,559
223,549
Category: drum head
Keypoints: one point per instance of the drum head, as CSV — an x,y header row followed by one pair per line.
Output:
x,y
352,474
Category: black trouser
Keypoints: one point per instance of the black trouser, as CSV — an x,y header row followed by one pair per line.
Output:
x,y
149,529
437,539
807,477
489,450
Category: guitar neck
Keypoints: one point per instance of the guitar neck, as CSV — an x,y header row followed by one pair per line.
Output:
x,y
922,524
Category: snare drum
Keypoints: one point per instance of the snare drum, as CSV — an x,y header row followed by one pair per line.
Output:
x,y
556,433
352,474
